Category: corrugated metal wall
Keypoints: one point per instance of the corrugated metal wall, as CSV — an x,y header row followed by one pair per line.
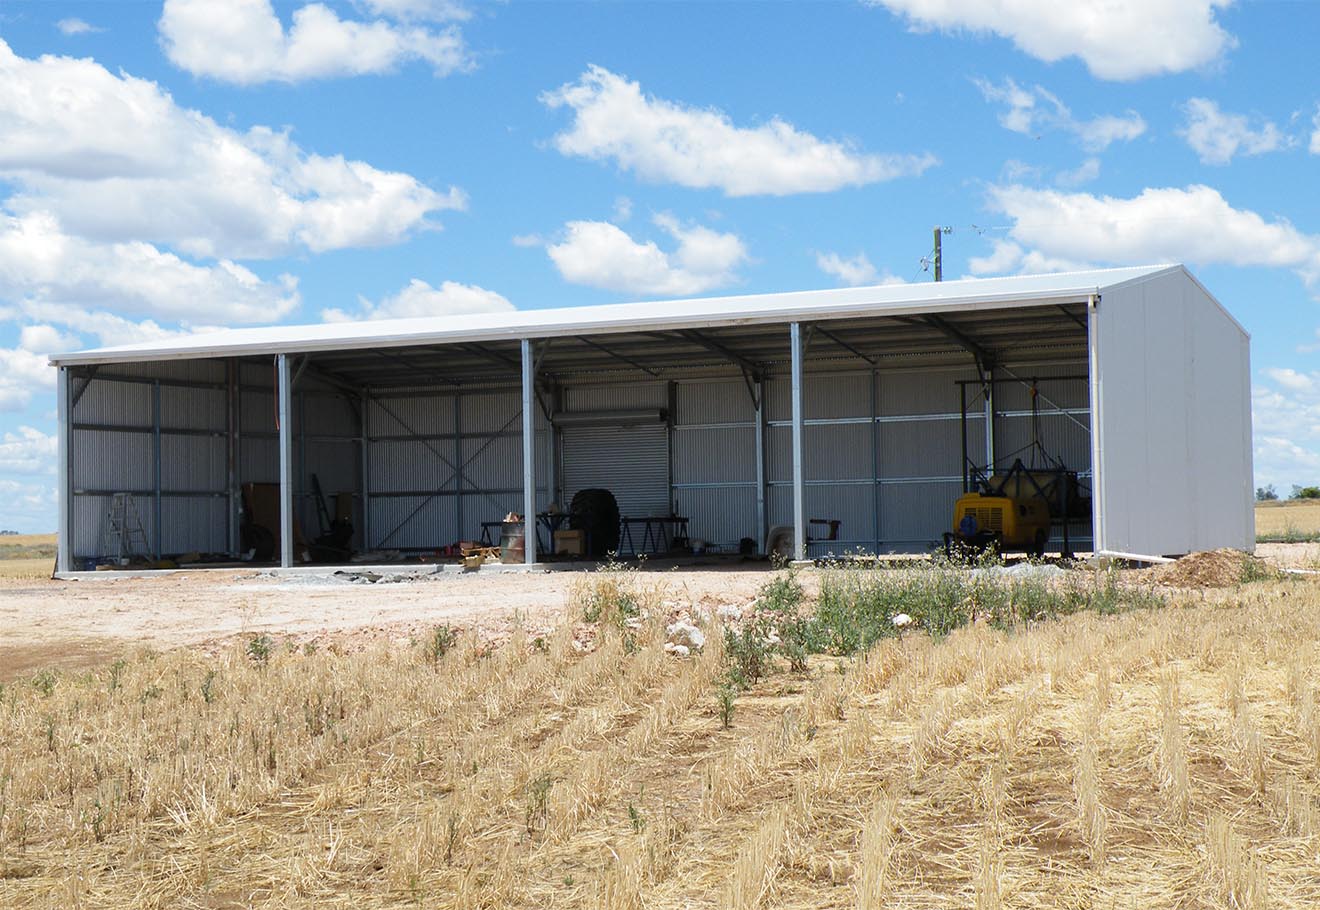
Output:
x,y
632,462
883,450
714,460
882,447
440,464
160,435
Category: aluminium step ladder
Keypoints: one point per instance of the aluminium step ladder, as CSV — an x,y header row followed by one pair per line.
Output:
x,y
124,535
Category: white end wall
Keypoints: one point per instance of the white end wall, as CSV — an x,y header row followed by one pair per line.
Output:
x,y
1171,391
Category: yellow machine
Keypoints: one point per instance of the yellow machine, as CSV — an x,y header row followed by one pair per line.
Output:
x,y
999,522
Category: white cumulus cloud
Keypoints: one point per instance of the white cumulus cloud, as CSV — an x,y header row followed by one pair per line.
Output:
x,y
244,41
115,159
74,26
421,299
1192,224
41,264
1217,136
668,142
22,375
602,255
1285,410
1291,379
854,271
27,451
1035,110
1116,39
1085,172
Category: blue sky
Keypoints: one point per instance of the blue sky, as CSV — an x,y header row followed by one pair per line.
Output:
x,y
172,166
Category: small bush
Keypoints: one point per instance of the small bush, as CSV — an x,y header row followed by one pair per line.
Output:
x,y
260,648
611,594
725,697
441,640
749,651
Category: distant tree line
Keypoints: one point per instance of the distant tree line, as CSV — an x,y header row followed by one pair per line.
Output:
x,y
1267,493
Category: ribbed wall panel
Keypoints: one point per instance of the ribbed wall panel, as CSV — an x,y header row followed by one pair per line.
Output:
x,y
834,395
115,404
193,409
327,415
260,373
1059,436
714,401
335,465
914,516
110,461
90,515
719,515
489,412
259,461
192,463
402,522
922,392
616,397
1065,393
929,448
427,415
830,452
715,454
850,504
500,464
193,524
182,370
257,412
401,466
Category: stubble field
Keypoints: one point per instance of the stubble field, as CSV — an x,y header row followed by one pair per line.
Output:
x,y
1061,743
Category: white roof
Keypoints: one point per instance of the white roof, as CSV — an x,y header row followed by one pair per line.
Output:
x,y
695,313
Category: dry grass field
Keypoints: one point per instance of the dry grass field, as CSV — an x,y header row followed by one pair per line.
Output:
x,y
1140,751
1287,520
27,556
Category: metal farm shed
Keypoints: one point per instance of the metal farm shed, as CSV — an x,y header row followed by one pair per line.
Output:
x,y
867,406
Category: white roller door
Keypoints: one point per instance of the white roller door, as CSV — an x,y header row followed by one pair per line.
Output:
x,y
631,462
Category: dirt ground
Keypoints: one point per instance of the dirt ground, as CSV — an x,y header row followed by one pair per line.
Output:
x,y
71,624
74,624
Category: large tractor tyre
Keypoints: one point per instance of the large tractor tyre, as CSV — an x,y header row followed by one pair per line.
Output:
x,y
1039,544
597,513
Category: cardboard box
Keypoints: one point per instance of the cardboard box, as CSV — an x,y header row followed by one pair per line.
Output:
x,y
570,543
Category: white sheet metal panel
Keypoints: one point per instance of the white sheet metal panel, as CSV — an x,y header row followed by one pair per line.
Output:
x,y
1173,400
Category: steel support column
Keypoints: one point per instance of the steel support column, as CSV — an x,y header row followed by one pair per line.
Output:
x,y
990,422
799,508
1099,533
529,452
231,457
364,425
63,405
158,530
284,396
761,528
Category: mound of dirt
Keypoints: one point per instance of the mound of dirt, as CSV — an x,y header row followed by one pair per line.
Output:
x,y
1211,569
